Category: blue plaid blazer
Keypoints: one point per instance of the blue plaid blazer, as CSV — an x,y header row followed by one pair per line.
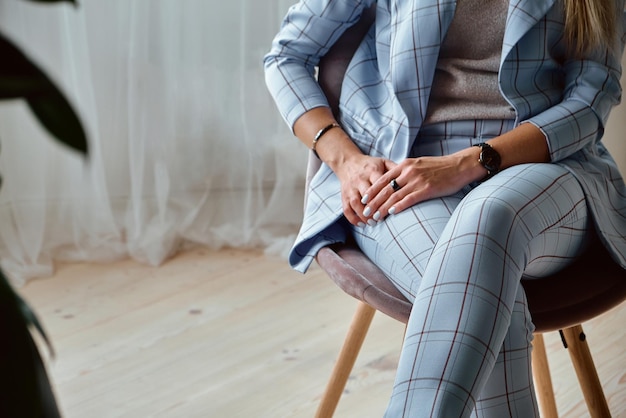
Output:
x,y
387,86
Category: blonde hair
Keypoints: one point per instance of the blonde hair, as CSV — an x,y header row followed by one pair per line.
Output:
x,y
590,24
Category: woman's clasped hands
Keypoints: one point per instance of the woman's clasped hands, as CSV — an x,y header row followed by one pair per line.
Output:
x,y
373,188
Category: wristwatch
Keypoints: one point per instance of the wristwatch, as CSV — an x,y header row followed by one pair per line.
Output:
x,y
489,158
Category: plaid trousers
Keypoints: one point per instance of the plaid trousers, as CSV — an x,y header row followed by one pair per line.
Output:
x,y
460,260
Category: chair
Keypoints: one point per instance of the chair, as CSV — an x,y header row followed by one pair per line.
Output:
x,y
592,285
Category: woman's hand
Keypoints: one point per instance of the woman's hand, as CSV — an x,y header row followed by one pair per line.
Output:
x,y
421,179
357,175
426,178
365,181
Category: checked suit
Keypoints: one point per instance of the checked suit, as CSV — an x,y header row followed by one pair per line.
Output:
x,y
460,258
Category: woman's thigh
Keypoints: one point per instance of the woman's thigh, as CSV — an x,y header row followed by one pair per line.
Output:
x,y
534,215
401,244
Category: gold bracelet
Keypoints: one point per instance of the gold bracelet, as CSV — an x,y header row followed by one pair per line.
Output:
x,y
321,133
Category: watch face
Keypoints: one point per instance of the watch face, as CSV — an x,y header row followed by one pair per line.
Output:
x,y
490,159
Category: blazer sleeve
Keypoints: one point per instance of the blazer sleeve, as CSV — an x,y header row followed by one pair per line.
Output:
x,y
309,29
592,89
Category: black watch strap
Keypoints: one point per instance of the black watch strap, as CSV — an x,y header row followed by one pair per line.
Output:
x,y
489,158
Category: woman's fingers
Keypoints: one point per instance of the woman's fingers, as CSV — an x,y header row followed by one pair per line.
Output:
x,y
356,180
352,207
404,185
354,199
389,165
386,189
412,181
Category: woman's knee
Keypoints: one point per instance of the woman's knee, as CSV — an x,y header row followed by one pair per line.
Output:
x,y
533,196
484,216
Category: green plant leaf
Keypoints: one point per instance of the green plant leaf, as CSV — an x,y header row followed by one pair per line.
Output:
x,y
25,389
32,320
21,78
9,297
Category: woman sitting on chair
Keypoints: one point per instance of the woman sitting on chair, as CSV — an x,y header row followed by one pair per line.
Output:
x,y
467,152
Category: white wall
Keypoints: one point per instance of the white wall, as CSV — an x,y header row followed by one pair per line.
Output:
x,y
615,135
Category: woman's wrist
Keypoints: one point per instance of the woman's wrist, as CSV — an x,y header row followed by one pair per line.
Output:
x,y
469,165
333,145
320,134
338,150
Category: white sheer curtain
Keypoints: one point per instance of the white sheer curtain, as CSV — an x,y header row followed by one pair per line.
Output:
x,y
186,144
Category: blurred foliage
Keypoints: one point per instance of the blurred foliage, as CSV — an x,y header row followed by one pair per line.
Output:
x,y
25,389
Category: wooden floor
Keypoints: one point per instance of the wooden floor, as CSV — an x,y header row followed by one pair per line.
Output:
x,y
234,333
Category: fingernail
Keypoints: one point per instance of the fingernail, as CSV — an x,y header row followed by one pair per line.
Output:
x,y
371,222
360,224
367,211
365,198
392,210
376,216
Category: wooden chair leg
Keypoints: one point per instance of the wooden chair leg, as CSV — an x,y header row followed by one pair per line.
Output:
x,y
543,381
345,362
586,372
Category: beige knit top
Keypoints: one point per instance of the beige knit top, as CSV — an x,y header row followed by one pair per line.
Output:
x,y
466,79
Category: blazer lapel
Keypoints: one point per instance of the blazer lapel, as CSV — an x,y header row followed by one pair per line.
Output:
x,y
522,16
413,58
